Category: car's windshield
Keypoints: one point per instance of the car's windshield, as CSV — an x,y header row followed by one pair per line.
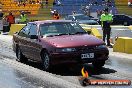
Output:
x,y
60,28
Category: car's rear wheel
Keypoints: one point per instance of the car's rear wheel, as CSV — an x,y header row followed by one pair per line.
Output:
x,y
98,64
45,61
20,56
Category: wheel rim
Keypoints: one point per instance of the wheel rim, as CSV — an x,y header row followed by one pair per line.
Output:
x,y
46,61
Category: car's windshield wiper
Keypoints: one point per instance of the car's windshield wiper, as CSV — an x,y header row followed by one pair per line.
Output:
x,y
57,34
61,34
49,35
66,34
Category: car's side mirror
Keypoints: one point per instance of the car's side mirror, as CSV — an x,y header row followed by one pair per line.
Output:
x,y
33,36
89,32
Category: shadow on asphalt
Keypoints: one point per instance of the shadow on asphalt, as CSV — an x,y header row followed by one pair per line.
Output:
x,y
65,70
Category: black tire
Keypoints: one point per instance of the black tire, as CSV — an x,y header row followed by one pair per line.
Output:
x,y
45,61
20,56
98,64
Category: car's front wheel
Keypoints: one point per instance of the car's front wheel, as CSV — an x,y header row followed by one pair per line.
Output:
x,y
98,64
20,56
45,61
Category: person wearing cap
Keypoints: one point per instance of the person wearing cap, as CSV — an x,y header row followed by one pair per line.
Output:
x,y
56,15
106,20
73,17
73,12
23,18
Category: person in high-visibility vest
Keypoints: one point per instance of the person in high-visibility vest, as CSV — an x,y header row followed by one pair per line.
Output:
x,y
106,20
23,18
56,15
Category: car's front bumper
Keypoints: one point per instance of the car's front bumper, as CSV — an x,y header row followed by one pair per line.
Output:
x,y
75,57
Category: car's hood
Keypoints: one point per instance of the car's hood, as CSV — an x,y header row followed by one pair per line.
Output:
x,y
73,40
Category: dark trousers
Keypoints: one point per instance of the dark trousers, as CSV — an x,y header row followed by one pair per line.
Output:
x,y
6,28
106,32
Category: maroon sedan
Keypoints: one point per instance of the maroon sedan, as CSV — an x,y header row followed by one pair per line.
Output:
x,y
56,42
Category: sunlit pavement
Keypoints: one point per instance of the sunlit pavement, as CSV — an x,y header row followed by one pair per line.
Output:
x,y
23,75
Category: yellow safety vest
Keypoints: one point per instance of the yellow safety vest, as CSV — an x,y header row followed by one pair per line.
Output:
x,y
23,18
105,17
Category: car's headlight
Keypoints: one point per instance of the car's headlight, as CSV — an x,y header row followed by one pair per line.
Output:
x,y
66,50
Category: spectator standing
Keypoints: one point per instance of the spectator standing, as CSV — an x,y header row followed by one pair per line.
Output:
x,y
1,20
74,18
52,12
87,10
20,2
98,13
74,13
46,3
37,2
10,19
111,11
58,3
106,20
6,27
54,2
56,15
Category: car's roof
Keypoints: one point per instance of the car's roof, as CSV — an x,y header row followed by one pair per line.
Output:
x,y
50,21
119,14
123,15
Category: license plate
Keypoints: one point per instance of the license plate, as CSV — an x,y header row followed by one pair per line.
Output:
x,y
87,55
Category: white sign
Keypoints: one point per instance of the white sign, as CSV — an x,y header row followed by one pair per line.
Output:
x,y
87,55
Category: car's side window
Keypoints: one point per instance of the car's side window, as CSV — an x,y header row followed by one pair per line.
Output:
x,y
25,31
117,16
33,30
123,16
